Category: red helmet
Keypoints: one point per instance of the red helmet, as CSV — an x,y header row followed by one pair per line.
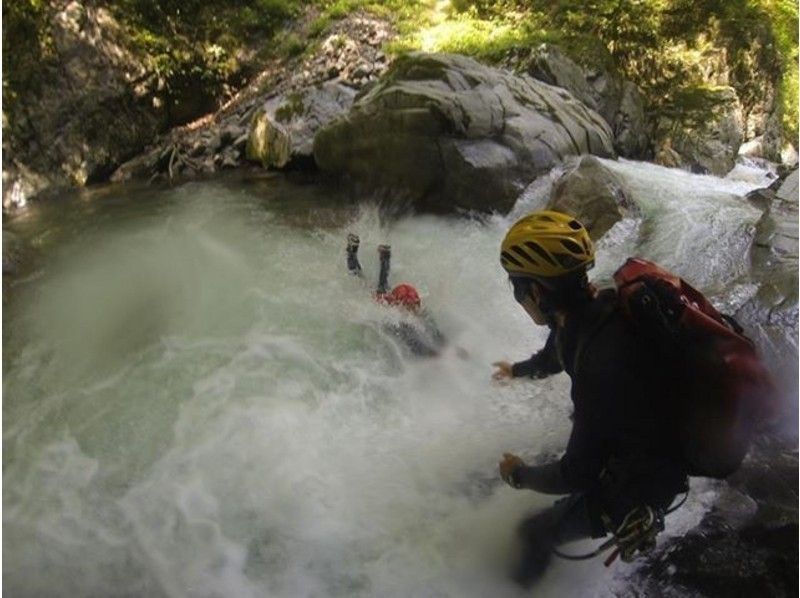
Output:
x,y
405,295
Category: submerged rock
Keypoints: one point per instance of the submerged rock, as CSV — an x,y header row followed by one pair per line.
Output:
x,y
594,195
450,132
20,184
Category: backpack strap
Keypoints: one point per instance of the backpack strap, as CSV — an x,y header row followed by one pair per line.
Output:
x,y
607,309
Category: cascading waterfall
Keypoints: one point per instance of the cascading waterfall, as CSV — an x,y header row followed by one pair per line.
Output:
x,y
199,401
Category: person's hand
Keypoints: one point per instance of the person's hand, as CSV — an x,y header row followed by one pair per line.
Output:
x,y
503,371
508,466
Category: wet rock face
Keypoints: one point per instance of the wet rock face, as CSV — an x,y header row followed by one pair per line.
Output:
x,y
452,133
284,127
747,544
304,112
771,314
286,106
709,146
594,195
619,102
788,189
93,108
632,132
548,64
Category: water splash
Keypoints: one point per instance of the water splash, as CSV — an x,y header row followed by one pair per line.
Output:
x,y
200,402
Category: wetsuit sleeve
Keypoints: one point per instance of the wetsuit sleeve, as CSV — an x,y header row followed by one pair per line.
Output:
x,y
585,455
546,479
542,364
439,339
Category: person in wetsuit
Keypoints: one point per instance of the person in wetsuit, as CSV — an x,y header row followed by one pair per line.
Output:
x,y
419,335
622,452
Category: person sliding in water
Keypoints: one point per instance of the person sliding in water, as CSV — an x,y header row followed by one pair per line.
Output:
x,y
420,335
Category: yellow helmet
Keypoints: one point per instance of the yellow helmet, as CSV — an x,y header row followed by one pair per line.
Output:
x,y
546,244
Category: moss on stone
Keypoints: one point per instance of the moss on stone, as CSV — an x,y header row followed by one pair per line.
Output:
x,y
292,106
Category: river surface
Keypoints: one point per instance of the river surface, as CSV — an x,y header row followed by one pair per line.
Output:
x,y
199,401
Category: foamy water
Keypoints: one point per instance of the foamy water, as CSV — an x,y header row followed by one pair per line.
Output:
x,y
198,401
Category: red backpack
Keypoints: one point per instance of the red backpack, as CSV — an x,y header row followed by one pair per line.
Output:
x,y
722,388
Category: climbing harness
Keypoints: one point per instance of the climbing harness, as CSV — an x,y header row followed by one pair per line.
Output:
x,y
636,533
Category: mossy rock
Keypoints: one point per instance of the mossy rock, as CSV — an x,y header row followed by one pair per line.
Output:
x,y
268,142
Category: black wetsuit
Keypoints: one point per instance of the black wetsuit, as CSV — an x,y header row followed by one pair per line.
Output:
x,y
622,452
421,336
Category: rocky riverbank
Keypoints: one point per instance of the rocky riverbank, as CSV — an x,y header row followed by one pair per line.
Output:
x,y
103,115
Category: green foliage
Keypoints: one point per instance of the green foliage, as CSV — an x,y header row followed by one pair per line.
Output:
x,y
184,39
676,51
669,48
190,45
26,43
290,44
693,105
783,15
407,15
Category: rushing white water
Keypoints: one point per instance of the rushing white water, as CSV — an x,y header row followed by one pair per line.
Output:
x,y
198,401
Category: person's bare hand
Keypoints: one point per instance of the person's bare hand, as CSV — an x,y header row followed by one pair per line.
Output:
x,y
508,466
503,371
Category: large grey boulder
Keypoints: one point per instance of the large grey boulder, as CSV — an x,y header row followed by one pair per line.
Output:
x,y
594,195
788,189
549,64
618,101
771,316
450,132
